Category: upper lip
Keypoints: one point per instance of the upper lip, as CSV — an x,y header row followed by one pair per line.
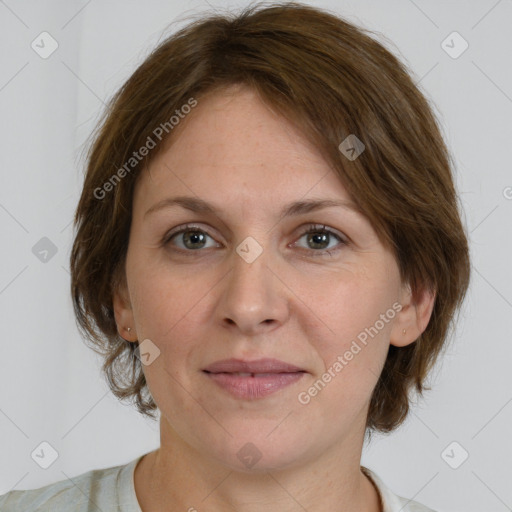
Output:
x,y
265,365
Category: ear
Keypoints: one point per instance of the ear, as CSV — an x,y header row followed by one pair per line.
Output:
x,y
123,311
413,317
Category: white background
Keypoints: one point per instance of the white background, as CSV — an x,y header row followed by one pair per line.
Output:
x,y
50,385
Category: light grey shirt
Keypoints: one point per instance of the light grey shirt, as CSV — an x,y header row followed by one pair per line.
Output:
x,y
113,490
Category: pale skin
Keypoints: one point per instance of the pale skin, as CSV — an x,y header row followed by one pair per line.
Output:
x,y
207,303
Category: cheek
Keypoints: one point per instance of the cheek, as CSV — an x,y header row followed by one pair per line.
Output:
x,y
168,298
170,311
349,305
352,349
352,338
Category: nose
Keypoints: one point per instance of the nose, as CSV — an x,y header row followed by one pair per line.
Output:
x,y
254,298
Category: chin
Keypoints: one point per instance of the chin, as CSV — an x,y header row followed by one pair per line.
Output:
x,y
262,452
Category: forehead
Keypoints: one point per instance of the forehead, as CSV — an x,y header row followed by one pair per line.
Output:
x,y
234,148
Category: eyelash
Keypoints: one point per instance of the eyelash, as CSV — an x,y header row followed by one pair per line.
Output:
x,y
311,228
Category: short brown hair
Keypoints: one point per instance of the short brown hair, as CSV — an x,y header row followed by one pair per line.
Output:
x,y
331,79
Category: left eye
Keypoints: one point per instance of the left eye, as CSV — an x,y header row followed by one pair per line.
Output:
x,y
194,238
319,235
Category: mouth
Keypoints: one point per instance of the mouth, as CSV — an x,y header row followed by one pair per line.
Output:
x,y
260,366
251,380
257,375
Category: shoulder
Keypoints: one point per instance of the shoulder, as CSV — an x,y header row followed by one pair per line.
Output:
x,y
392,502
89,492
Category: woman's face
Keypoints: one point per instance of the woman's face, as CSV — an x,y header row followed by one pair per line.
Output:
x,y
247,284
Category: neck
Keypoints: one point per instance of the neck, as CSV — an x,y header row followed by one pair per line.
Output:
x,y
175,477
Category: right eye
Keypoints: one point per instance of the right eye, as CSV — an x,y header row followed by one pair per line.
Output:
x,y
192,237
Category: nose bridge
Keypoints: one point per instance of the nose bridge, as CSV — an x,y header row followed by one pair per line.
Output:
x,y
250,274
253,295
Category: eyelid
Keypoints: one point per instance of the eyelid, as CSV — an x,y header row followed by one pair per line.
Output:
x,y
324,227
343,240
314,227
304,229
184,227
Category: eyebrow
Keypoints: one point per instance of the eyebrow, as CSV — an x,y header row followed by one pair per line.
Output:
x,y
197,205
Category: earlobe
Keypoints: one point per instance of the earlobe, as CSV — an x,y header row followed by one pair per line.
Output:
x,y
413,318
123,314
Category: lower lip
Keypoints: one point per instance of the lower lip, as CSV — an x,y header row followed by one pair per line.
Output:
x,y
251,388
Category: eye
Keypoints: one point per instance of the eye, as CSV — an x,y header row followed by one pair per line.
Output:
x,y
319,235
194,238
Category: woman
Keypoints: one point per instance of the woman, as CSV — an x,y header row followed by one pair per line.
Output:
x,y
268,251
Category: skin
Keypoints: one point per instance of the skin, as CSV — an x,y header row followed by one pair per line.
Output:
x,y
208,304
